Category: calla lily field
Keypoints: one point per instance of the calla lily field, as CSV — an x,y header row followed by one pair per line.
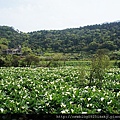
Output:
x,y
57,90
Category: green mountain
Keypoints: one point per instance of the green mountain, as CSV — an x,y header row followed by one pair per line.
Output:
x,y
88,38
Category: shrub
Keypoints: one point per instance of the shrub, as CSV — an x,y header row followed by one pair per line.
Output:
x,y
100,63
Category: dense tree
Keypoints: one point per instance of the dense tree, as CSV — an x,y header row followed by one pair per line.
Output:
x,y
87,38
26,51
93,46
2,61
31,60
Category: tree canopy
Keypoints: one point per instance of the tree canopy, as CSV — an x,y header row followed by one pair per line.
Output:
x,y
88,39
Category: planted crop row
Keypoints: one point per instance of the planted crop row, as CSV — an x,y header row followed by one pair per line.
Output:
x,y
57,90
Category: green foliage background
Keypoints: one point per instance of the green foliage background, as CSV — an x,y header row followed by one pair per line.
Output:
x,y
87,39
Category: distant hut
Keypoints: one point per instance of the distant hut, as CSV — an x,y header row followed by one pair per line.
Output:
x,y
16,51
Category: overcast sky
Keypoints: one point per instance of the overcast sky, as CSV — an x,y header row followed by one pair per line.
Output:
x,y
33,15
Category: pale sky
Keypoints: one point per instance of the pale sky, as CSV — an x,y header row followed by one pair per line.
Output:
x,y
33,15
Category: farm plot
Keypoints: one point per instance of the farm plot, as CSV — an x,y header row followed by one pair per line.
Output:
x,y
57,90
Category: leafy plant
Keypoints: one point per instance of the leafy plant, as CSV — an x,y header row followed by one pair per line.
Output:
x,y
100,63
56,91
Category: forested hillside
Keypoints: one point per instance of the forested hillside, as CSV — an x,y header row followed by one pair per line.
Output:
x,y
87,39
